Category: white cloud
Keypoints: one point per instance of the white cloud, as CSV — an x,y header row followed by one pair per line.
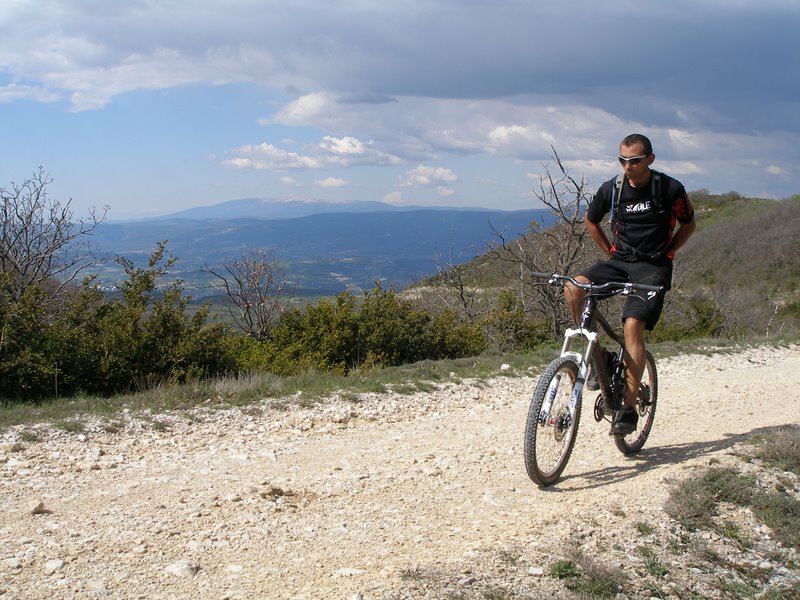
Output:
x,y
289,181
331,182
504,135
265,156
13,92
331,151
307,108
681,168
426,176
445,191
393,198
347,145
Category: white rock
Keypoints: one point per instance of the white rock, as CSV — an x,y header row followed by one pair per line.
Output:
x,y
182,568
51,566
97,587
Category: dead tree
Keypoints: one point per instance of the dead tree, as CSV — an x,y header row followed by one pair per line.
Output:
x,y
256,289
459,285
41,245
558,246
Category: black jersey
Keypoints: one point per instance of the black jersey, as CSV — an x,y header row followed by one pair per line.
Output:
x,y
642,225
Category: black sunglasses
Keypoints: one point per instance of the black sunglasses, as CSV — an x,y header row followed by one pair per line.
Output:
x,y
633,160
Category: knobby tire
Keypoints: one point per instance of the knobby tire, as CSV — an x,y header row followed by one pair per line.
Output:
x,y
548,445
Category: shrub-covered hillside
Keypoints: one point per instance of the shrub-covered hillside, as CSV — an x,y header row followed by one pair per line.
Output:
x,y
738,276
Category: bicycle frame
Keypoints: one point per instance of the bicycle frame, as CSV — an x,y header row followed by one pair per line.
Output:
x,y
586,330
554,413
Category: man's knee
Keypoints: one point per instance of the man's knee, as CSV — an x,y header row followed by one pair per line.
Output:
x,y
634,330
573,296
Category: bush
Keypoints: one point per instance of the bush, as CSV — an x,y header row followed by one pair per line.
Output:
x,y
509,329
141,339
320,336
391,332
28,366
701,318
340,335
451,338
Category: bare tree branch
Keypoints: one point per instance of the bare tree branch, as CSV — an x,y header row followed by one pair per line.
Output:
x,y
256,289
459,291
559,247
40,243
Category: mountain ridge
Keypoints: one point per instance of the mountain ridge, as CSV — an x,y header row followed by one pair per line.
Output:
x,y
286,208
327,251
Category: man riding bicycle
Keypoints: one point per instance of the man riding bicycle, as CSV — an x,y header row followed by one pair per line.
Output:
x,y
645,207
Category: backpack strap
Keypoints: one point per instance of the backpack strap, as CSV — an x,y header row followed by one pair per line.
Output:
x,y
655,191
616,200
616,195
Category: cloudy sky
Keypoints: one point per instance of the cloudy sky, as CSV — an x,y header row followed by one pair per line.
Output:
x,y
152,106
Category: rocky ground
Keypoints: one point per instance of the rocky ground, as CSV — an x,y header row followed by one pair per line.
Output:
x,y
393,496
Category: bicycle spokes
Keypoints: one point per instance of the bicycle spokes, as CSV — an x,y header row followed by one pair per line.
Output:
x,y
644,395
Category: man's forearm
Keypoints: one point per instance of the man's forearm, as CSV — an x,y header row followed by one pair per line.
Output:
x,y
683,234
599,236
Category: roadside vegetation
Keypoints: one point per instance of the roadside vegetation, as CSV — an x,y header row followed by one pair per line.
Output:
x,y
65,342
740,506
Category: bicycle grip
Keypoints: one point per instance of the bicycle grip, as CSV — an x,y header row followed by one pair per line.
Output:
x,y
541,275
648,288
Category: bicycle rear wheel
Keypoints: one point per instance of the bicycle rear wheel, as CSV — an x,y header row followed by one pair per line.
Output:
x,y
549,438
648,398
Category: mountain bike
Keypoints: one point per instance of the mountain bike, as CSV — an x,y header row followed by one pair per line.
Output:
x,y
555,409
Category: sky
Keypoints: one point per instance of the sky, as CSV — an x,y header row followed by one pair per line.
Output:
x,y
154,106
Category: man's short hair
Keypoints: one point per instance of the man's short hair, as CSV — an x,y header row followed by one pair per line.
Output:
x,y
638,138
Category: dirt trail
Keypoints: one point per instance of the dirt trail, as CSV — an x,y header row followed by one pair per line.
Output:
x,y
395,496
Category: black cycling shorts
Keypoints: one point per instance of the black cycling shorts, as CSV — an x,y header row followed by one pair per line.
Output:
x,y
642,307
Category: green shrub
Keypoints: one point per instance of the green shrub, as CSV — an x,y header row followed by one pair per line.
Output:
x,y
320,336
28,367
143,338
391,332
452,338
341,334
509,329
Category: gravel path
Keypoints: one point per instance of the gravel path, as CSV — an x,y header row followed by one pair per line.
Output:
x,y
395,496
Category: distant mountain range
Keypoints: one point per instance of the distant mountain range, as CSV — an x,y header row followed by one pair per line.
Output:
x,y
292,208
324,247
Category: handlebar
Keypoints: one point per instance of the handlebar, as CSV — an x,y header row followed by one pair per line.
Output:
x,y
624,287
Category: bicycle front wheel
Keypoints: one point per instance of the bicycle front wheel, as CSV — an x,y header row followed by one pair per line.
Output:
x,y
648,397
550,434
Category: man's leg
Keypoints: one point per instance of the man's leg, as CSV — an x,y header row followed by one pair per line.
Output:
x,y
573,297
636,356
626,419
